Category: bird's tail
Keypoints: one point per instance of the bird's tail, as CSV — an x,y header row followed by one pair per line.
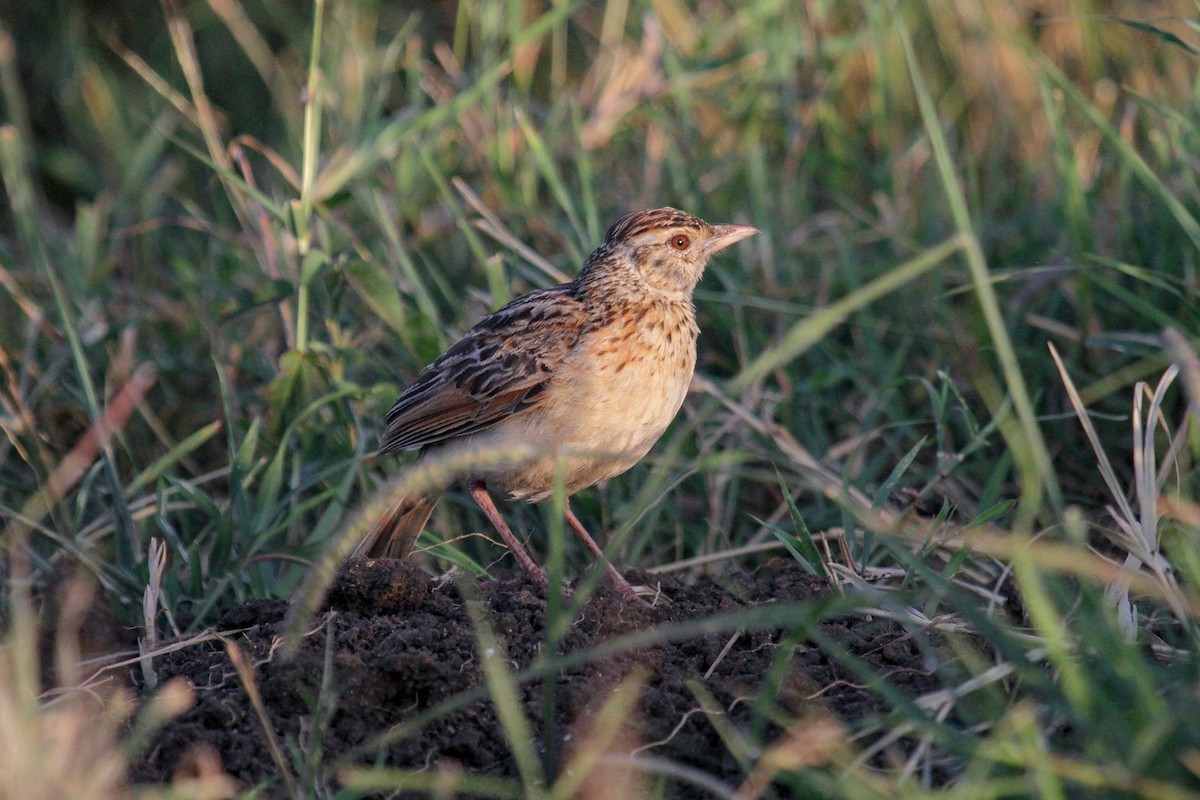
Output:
x,y
394,533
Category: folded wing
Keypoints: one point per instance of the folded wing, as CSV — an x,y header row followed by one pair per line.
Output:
x,y
499,368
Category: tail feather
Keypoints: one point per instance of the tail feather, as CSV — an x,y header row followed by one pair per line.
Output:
x,y
395,533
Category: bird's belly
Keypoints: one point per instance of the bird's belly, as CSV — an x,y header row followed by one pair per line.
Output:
x,y
601,421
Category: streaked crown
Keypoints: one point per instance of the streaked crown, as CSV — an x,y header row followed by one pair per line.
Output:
x,y
638,222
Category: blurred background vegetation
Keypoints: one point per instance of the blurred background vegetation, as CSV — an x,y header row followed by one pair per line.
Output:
x,y
233,231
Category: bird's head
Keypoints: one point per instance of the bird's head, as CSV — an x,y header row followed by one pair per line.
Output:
x,y
668,248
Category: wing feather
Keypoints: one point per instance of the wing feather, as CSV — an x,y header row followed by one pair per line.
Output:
x,y
499,368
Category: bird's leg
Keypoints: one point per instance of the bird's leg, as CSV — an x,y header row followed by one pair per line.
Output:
x,y
479,494
617,578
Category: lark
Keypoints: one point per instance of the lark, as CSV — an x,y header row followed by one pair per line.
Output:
x,y
588,375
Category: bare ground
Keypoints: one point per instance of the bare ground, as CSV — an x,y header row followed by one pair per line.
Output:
x,y
391,644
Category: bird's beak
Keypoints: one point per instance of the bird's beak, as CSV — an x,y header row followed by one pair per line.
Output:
x,y
725,235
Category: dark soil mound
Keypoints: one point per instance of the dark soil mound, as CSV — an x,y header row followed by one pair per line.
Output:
x,y
396,645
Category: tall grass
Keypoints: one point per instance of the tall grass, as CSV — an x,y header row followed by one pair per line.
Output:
x,y
232,232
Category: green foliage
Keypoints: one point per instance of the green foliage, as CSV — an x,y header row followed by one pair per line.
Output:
x,y
232,232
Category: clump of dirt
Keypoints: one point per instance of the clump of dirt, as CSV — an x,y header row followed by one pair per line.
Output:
x,y
392,644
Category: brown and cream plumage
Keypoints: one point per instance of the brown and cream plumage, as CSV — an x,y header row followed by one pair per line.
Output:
x,y
593,370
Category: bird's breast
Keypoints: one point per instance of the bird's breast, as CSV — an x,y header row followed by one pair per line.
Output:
x,y
612,399
633,377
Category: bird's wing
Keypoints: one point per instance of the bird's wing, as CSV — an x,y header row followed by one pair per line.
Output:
x,y
499,368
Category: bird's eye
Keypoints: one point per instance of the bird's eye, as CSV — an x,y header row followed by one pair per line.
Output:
x,y
680,242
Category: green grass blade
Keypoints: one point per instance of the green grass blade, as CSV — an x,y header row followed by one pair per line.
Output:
x,y
545,165
984,291
809,331
1121,146
179,451
503,689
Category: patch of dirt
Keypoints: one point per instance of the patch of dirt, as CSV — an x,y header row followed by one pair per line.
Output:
x,y
397,645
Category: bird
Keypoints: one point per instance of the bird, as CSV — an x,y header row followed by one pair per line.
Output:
x,y
589,373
